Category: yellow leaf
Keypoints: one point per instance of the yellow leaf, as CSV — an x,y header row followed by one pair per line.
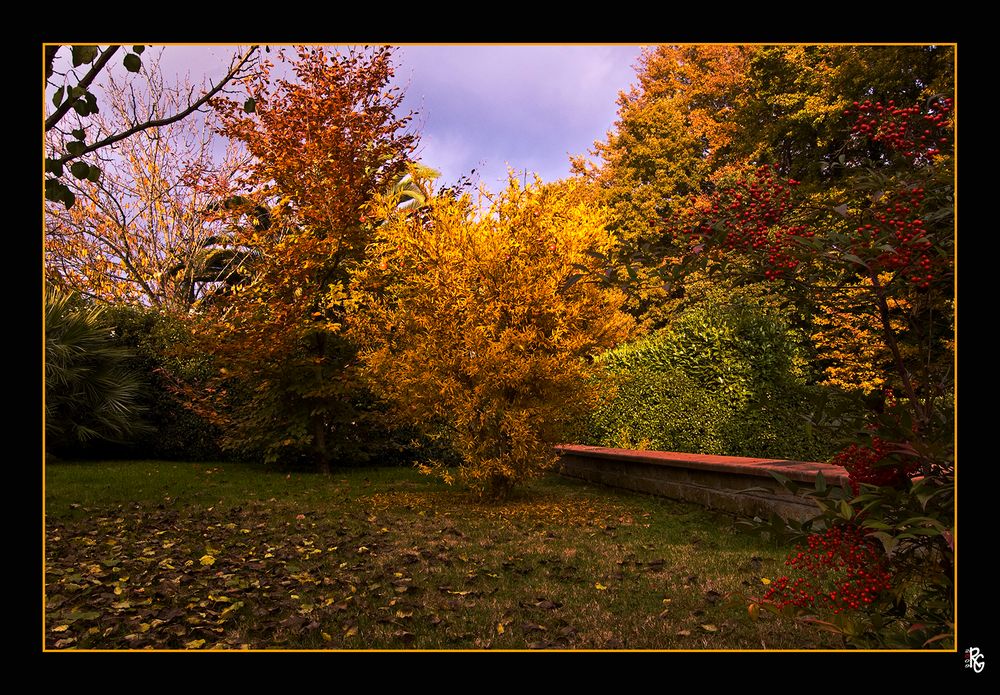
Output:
x,y
326,636
709,628
351,631
500,628
61,628
666,601
207,560
194,644
765,581
600,587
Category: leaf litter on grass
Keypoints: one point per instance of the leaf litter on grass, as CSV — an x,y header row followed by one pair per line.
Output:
x,y
392,570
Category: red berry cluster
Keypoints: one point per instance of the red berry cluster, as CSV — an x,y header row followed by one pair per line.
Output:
x,y
753,212
839,570
863,465
898,226
917,132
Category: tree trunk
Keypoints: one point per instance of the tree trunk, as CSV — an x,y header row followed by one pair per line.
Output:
x,y
319,445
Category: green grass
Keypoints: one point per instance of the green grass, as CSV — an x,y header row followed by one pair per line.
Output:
x,y
169,555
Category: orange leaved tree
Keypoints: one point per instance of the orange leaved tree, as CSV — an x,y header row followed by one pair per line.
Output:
x,y
323,143
473,317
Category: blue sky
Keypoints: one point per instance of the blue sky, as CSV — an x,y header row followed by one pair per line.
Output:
x,y
486,107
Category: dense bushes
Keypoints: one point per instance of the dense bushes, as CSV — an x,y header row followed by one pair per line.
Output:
x,y
176,432
723,379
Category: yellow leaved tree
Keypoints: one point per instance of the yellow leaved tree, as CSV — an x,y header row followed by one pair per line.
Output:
x,y
472,316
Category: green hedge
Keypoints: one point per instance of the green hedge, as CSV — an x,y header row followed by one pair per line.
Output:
x,y
722,379
652,408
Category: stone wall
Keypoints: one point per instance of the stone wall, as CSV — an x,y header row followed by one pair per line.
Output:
x,y
741,486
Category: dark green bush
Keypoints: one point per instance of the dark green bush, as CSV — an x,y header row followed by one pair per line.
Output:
x,y
722,379
176,431
661,409
732,350
773,425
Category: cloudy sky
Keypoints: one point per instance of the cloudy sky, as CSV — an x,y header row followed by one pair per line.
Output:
x,y
488,107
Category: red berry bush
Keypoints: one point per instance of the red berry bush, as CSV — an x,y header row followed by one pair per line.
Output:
x,y
836,571
872,464
917,132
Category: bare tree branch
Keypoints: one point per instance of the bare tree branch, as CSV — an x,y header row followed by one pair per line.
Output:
x,y
50,56
91,75
164,121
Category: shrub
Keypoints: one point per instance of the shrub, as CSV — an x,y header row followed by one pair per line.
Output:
x,y
473,317
721,380
91,392
773,425
657,409
177,432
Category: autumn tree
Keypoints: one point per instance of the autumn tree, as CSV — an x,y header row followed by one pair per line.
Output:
x,y
322,144
74,103
476,317
143,231
699,115
888,247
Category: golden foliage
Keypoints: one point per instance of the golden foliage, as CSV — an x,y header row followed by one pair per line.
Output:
x,y
136,234
849,338
469,316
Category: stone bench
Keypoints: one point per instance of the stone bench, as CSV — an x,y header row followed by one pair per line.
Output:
x,y
717,482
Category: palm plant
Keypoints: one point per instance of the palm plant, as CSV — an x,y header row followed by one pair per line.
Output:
x,y
90,391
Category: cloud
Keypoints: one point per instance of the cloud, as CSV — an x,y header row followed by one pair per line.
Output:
x,y
526,106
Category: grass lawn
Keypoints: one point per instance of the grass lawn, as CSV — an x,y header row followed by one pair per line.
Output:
x,y
168,555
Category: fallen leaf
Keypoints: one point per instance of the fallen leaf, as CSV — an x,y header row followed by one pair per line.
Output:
x,y
207,560
351,631
600,587
326,637
765,581
709,628
60,628
194,644
403,636
754,610
684,633
500,628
